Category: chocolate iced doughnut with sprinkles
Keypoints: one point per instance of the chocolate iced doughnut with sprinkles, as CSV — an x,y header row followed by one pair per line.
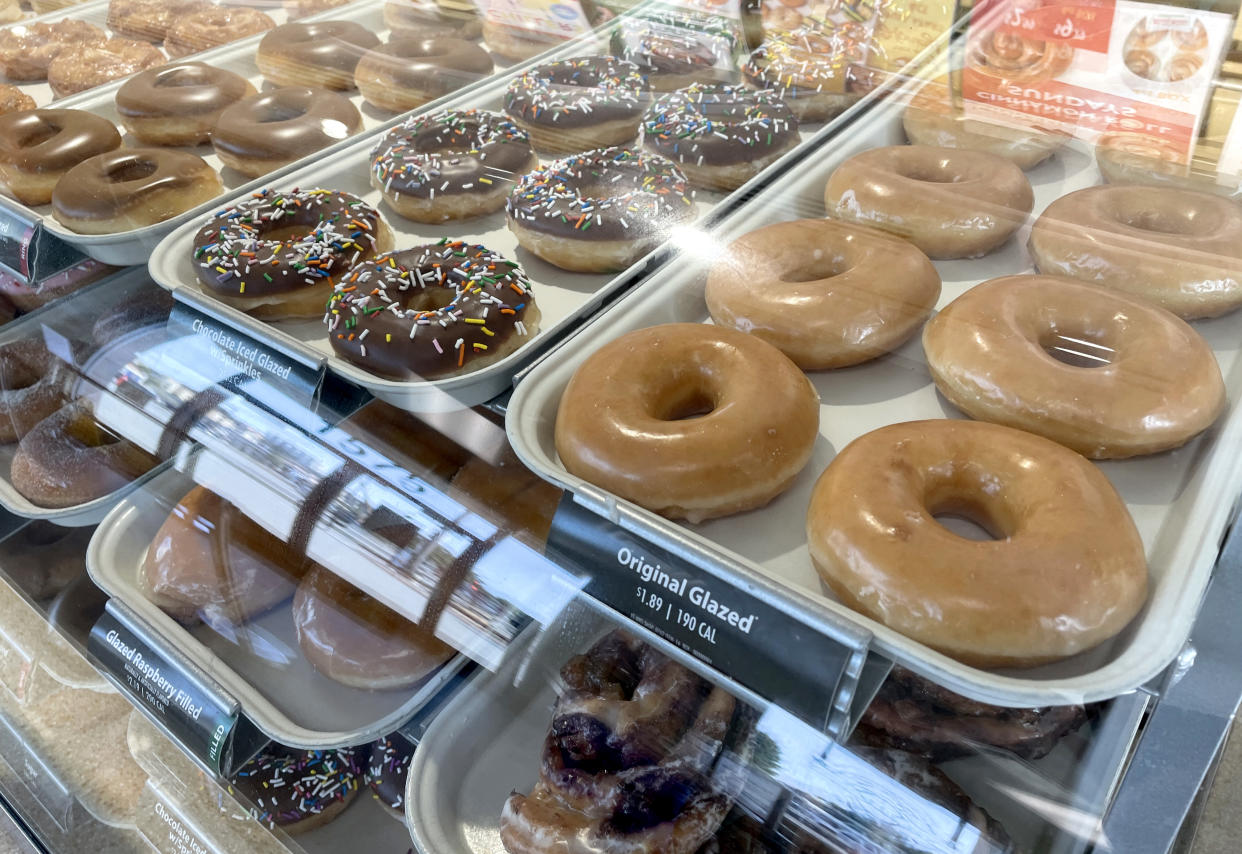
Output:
x,y
719,135
299,790
599,211
450,165
579,104
279,254
432,311
387,768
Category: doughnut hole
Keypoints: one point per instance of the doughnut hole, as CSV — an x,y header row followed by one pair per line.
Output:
x,y
16,375
1078,349
430,299
929,173
683,398
133,169
87,431
277,112
40,134
814,269
1176,217
969,502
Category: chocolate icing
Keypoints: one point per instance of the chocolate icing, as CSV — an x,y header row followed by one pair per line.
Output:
x,y
575,93
676,42
180,89
325,45
436,65
718,124
427,311
387,768
449,153
809,61
54,140
288,785
647,195
110,184
284,124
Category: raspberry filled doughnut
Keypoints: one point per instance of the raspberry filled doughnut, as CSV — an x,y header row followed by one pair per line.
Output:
x,y
719,135
94,65
178,104
274,128
817,73
212,27
989,352
1065,573
27,50
560,214
949,203
1180,249
408,72
321,54
579,104
826,294
278,254
38,147
688,420
450,165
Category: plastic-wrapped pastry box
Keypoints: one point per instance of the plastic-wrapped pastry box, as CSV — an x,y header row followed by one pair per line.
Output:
x,y
1180,500
134,246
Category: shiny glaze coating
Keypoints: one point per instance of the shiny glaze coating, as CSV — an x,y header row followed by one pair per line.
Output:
x,y
284,124
431,311
94,65
627,421
426,19
1066,572
180,89
669,45
818,73
133,187
1157,386
298,789
430,67
715,124
1181,249
577,93
54,140
827,294
947,202
26,50
150,19
388,766
323,52
212,27
13,99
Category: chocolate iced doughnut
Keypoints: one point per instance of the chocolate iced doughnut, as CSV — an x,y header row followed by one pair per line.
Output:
x,y
720,135
432,311
245,256
408,72
677,47
560,213
324,53
450,165
131,188
579,104
178,104
387,768
38,147
27,51
268,130
298,790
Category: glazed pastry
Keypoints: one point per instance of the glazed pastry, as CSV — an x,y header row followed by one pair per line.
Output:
x,y
131,188
43,558
688,420
322,54
298,790
38,147
245,257
408,72
209,561
33,387
212,27
453,164
433,311
150,19
274,128
387,768
178,104
27,51
353,638
1065,572
14,100
817,73
94,65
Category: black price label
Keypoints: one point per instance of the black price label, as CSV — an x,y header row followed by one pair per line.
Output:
x,y
190,710
775,654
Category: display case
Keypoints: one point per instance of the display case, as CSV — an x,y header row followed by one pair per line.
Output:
x,y
682,427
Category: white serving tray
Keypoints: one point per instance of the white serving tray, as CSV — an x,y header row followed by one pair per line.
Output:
x,y
282,694
1180,500
134,246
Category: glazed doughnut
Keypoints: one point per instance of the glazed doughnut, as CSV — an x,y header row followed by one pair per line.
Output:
x,y
931,118
212,27
210,561
320,54
14,100
1180,249
32,387
948,202
558,214
355,639
579,104
246,257
472,306
298,790
826,294
38,147
27,50
1022,60
94,65
688,420
178,104
424,19
992,354
301,8
150,19
388,766
1065,573
131,188
1137,158
450,165
677,48
720,135
27,297
70,459
408,72
43,558
274,128
817,73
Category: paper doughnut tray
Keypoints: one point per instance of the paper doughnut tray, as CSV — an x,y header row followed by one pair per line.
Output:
x,y
279,691
1181,500
134,246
